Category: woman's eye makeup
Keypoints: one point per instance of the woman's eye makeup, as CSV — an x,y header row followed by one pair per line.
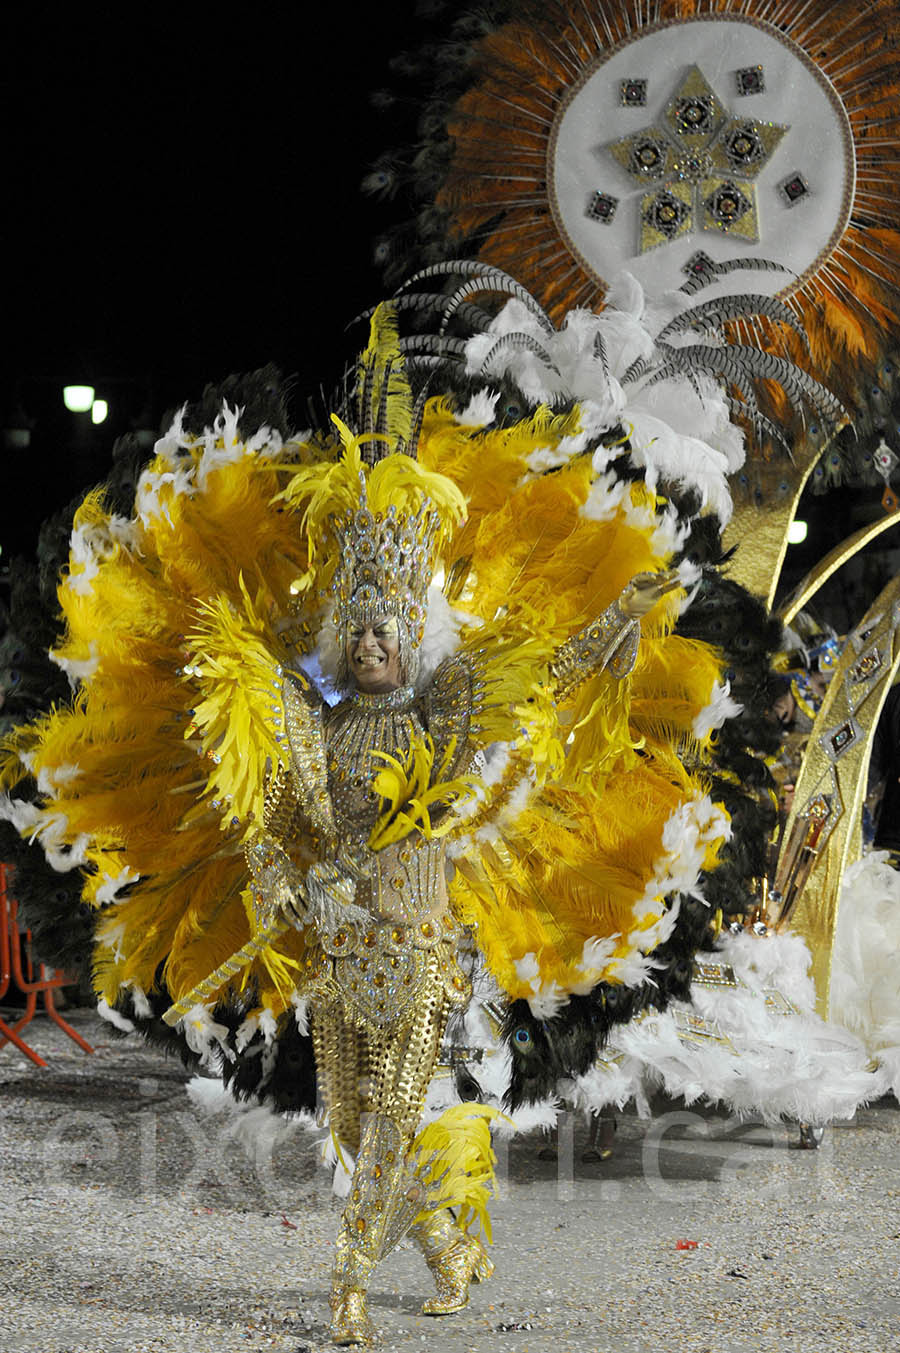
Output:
x,y
386,630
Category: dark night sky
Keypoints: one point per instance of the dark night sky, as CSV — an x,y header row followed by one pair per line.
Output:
x,y
183,202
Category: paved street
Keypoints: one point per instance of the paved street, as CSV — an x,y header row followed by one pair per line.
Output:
x,y
136,1219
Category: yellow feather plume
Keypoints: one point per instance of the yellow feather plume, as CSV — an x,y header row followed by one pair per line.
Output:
x,y
411,790
320,492
236,655
455,1162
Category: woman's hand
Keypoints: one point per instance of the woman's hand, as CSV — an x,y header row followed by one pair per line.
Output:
x,y
330,889
645,590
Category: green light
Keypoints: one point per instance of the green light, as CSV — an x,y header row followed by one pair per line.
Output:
x,y
99,410
797,532
78,398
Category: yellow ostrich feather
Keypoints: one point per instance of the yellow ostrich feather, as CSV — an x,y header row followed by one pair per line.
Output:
x,y
672,683
454,1160
322,492
460,452
575,862
566,876
411,788
204,542
539,548
236,656
515,704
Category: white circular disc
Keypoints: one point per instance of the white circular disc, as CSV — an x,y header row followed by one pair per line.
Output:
x,y
818,146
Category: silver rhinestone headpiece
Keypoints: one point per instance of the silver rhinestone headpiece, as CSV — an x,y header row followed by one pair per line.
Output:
x,y
385,566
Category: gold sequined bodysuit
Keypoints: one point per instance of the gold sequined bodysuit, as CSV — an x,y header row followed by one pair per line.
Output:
x,y
382,980
380,991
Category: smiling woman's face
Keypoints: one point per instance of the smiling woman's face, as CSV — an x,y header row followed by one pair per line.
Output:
x,y
373,655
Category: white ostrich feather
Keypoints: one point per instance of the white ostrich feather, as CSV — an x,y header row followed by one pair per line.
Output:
x,y
721,707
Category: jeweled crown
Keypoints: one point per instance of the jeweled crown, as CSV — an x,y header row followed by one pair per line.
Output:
x,y
385,566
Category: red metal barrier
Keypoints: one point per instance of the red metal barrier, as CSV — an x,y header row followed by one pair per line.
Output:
x,y
22,974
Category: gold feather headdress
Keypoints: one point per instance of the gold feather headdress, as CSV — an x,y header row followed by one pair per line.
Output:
x,y
374,518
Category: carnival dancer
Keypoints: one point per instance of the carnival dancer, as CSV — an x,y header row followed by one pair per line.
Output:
x,y
261,861
384,970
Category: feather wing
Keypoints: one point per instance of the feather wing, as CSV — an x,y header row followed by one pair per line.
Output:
x,y
594,821
166,741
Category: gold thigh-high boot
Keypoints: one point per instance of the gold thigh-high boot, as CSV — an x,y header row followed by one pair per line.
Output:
x,y
384,1194
366,1232
342,1063
455,1258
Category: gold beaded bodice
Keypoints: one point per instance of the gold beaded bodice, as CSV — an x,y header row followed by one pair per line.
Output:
x,y
379,971
406,881
355,732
